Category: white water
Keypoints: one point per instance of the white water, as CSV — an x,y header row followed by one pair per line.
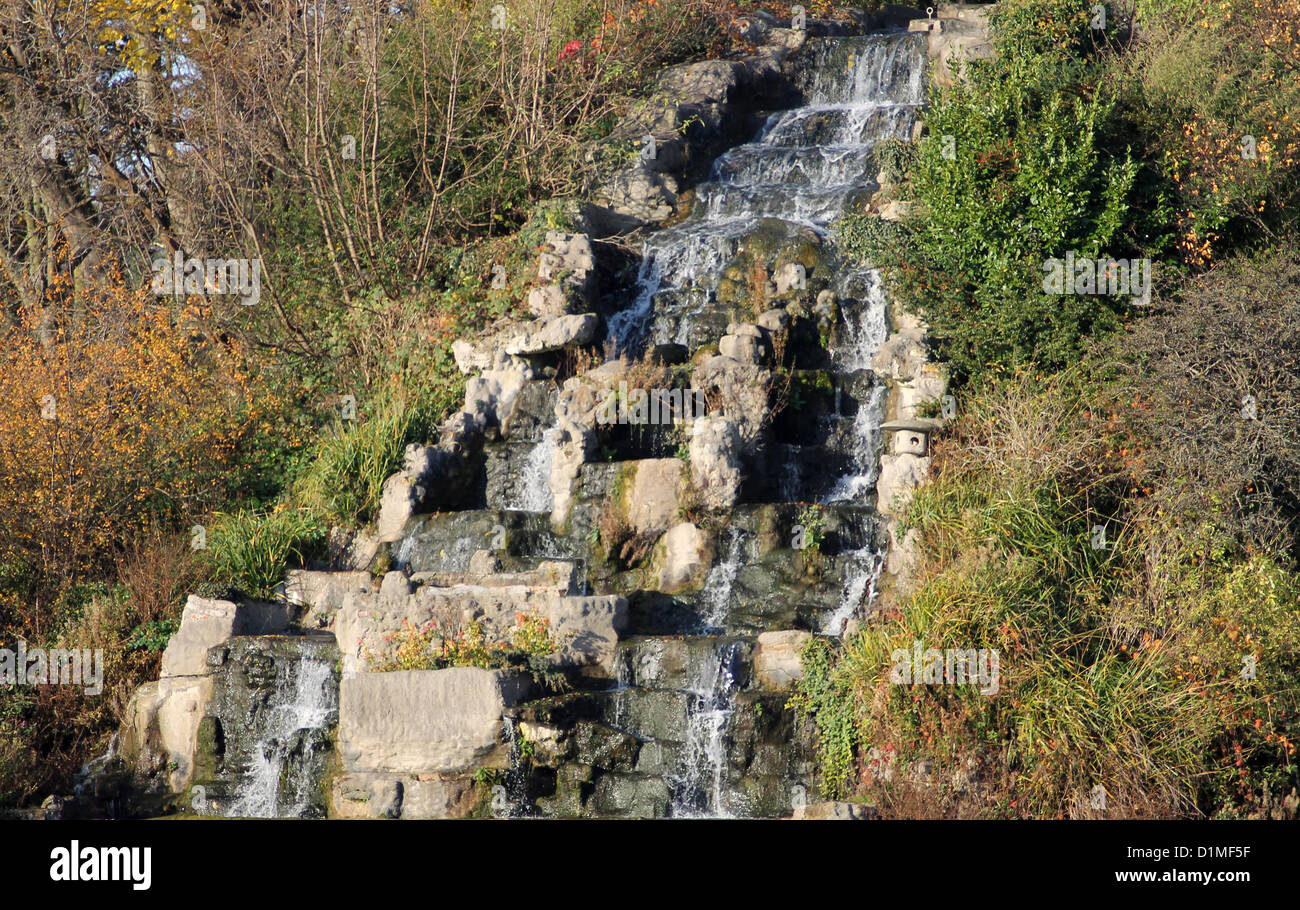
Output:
x,y
716,594
859,590
851,488
705,752
307,707
534,492
806,167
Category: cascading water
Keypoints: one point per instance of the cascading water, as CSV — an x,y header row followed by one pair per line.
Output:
x,y
805,168
287,699
716,594
534,493
699,791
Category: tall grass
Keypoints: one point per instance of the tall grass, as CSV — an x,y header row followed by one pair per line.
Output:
x,y
1096,689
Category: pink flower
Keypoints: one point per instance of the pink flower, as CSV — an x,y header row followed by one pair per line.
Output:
x,y
570,49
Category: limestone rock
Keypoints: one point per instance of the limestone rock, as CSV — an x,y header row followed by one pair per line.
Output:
x,y
585,629
425,721
777,663
685,559
716,461
320,594
205,623
365,796
159,731
654,495
836,810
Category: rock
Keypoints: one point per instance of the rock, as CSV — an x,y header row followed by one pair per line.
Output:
x,y
205,623
669,354
738,390
159,732
777,663
550,300
791,276
641,193
585,628
425,721
774,320
824,308
365,796
551,333
685,558
439,476
439,796
469,357
320,594
926,387
835,811
574,443
395,587
654,494
707,81
491,397
715,461
956,35
741,348
567,257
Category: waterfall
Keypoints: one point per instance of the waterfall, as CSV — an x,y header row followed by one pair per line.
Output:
x,y
281,776
803,171
716,594
851,488
807,166
698,790
534,492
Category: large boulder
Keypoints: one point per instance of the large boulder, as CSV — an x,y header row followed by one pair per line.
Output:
x,y
159,732
654,494
715,454
425,721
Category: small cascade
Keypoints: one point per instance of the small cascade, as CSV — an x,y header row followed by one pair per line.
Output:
x,y
716,594
854,487
859,590
698,791
806,168
510,796
275,705
534,491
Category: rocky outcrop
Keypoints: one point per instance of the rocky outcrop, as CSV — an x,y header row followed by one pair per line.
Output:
x,y
956,34
697,110
585,628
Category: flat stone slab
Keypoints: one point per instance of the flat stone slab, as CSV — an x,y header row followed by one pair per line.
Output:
x,y
425,721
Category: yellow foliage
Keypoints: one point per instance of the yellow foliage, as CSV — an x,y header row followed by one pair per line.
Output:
x,y
125,414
